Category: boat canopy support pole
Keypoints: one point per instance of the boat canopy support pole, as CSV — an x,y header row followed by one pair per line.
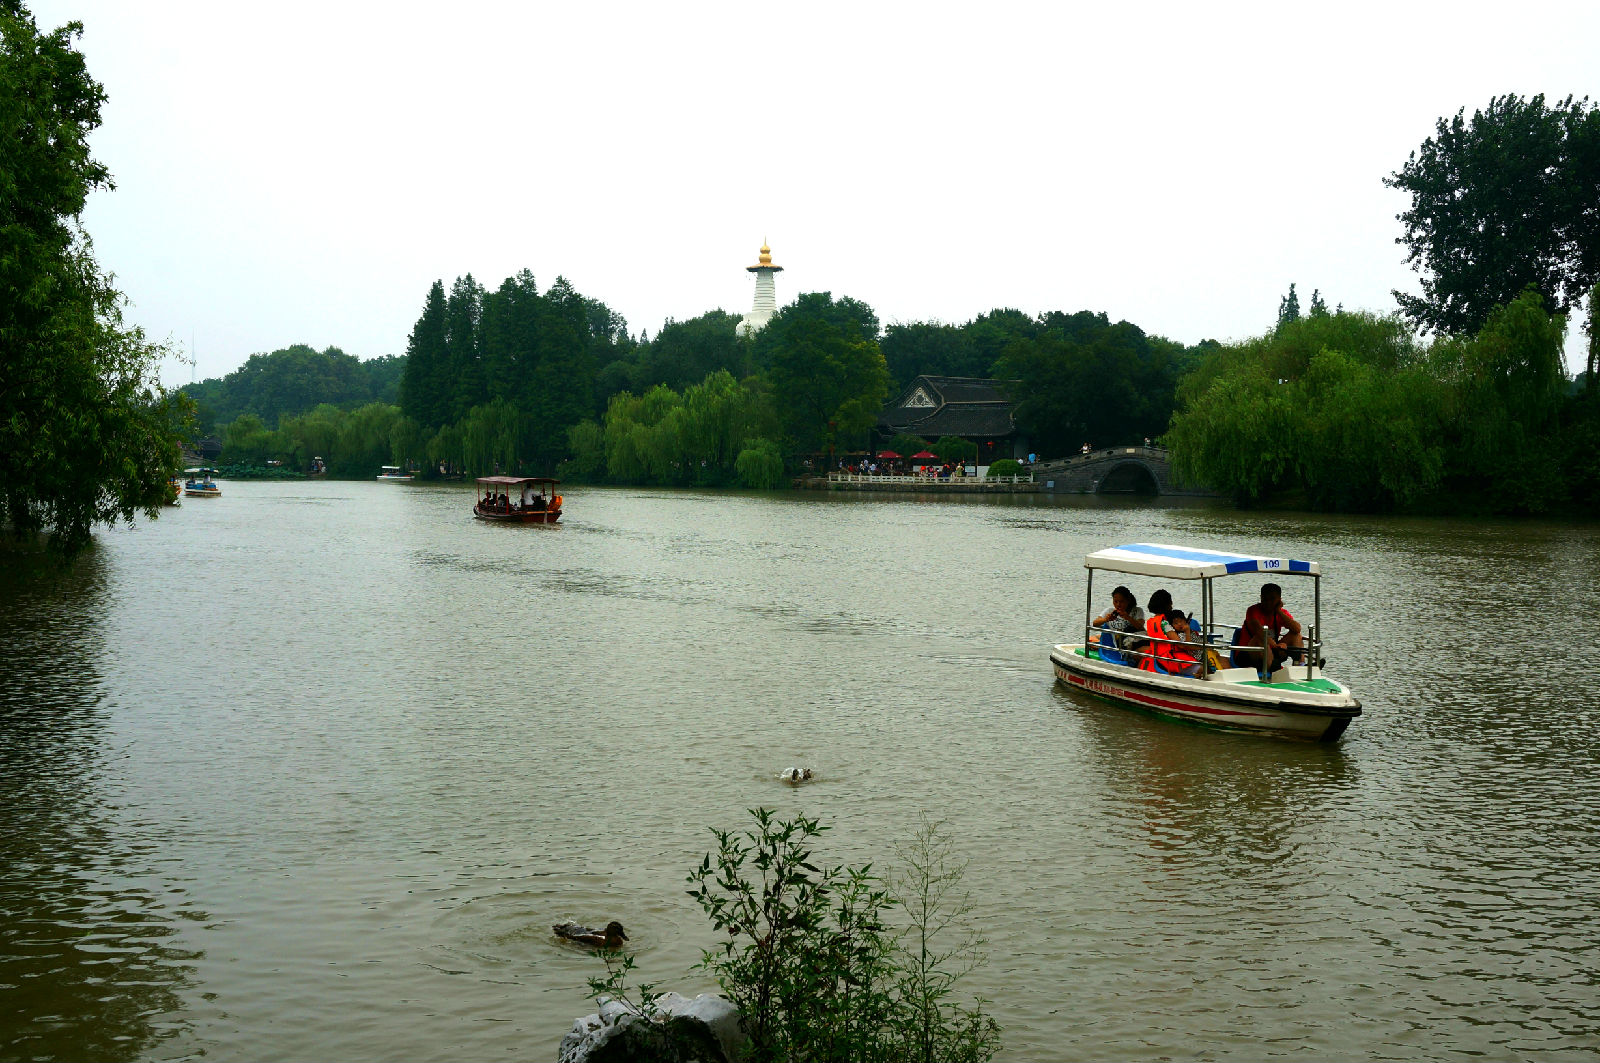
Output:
x,y
1205,627
1314,651
1088,608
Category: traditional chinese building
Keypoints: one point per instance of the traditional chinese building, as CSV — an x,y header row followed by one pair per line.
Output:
x,y
965,407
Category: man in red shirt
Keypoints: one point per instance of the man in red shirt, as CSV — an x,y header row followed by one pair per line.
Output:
x,y
1268,623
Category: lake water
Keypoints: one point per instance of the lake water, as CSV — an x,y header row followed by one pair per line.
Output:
x,y
308,771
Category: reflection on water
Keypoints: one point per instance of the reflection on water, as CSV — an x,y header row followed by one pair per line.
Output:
x,y
310,770
89,964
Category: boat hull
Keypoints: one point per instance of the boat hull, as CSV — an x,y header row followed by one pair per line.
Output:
x,y
1303,707
532,516
396,479
203,492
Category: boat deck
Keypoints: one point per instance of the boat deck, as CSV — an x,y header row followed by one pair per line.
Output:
x,y
1318,685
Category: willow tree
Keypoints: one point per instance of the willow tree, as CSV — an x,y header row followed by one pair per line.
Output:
x,y
87,434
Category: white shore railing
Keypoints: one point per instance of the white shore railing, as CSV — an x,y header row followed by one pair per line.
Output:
x,y
914,477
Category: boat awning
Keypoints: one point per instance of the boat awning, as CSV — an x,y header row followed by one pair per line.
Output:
x,y
1187,562
512,481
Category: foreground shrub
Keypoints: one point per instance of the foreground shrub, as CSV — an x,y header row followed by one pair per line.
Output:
x,y
809,956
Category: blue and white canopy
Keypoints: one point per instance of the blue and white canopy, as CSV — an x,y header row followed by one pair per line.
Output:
x,y
1187,562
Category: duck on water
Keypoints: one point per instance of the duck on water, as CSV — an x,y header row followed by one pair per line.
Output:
x,y
611,937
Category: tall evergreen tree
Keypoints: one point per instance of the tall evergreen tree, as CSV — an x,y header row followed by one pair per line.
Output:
x,y
1288,308
463,313
424,387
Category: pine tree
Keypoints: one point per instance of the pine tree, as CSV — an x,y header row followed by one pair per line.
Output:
x,y
425,385
1288,308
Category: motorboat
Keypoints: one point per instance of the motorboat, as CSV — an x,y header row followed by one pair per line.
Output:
x,y
200,484
394,474
517,500
1298,699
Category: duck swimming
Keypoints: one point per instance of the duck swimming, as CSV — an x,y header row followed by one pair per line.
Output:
x,y
796,775
611,937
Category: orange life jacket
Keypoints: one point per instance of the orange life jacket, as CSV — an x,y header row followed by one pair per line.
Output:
x,y
1168,656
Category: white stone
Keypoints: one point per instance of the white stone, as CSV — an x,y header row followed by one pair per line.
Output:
x,y
592,1032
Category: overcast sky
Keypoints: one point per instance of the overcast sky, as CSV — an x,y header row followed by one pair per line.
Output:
x,y
302,172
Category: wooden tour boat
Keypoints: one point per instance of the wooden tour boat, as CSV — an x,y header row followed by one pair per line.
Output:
x,y
1297,700
518,500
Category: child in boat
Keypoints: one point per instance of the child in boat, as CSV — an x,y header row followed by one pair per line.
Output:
x,y
1176,660
1162,627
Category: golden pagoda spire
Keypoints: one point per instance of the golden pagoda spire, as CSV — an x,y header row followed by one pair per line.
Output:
x,y
765,261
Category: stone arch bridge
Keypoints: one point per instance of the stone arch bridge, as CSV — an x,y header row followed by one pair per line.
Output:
x,y
1127,470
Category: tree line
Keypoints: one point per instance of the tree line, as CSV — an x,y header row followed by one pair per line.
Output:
x,y
1351,412
1354,412
291,381
1340,410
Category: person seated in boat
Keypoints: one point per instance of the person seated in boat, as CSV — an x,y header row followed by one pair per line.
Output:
x,y
1168,630
1124,616
1268,624
1156,611
538,503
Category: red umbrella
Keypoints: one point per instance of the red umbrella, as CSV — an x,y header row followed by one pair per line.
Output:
x,y
923,454
887,454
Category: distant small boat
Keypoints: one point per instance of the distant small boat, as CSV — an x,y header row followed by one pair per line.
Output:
x,y
395,474
518,500
200,484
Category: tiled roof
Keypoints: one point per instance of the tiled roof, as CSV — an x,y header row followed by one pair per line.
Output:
x,y
967,406
953,419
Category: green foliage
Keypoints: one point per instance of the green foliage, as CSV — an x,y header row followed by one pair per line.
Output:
x,y
823,365
1591,328
1502,203
586,442
938,947
1348,410
808,956
293,380
1005,467
927,348
906,444
954,448
759,465
686,352
87,436
662,437
535,353
1083,379
1506,386
1288,308
352,443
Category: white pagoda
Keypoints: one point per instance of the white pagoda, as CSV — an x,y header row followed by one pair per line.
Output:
x,y
766,301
